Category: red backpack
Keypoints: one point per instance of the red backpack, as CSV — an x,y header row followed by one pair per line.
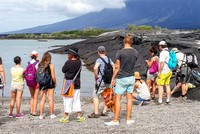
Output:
x,y
30,75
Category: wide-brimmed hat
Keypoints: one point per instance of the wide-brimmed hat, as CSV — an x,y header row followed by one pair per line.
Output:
x,y
175,50
34,53
137,75
73,51
101,49
162,43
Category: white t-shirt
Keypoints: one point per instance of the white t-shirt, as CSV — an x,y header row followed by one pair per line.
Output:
x,y
33,61
181,58
164,57
143,90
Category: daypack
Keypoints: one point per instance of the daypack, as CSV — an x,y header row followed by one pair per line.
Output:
x,y
196,75
191,60
43,77
107,71
172,63
30,74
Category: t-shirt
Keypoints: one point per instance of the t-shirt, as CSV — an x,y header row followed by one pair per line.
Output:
x,y
102,64
0,61
70,69
181,58
143,90
33,61
127,59
164,57
17,75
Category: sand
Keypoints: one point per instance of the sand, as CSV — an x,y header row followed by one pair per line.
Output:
x,y
177,118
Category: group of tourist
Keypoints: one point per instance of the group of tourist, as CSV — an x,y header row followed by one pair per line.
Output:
x,y
125,81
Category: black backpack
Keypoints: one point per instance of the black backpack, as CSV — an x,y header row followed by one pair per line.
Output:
x,y
191,60
107,71
43,77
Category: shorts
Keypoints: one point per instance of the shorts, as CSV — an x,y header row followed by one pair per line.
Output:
x,y
139,98
96,93
183,75
164,79
17,87
36,87
124,85
151,76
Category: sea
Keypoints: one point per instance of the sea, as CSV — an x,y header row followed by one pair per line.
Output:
x,y
11,48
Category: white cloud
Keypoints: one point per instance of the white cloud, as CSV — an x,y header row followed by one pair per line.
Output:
x,y
29,13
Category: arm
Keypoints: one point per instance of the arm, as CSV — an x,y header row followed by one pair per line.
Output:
x,y
161,67
149,63
2,73
64,68
96,68
117,67
53,73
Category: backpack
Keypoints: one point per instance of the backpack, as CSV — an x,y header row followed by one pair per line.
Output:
x,y
30,74
43,77
107,71
196,75
172,63
191,60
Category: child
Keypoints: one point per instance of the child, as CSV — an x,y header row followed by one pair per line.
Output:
x,y
17,87
140,86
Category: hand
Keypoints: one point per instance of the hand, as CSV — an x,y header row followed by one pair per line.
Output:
x,y
158,74
113,82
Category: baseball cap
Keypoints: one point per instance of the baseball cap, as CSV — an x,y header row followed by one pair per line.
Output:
x,y
34,53
162,43
101,49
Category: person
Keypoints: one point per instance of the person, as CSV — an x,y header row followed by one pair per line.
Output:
x,y
150,81
2,73
182,74
140,86
17,87
164,73
72,70
98,72
48,88
34,91
123,79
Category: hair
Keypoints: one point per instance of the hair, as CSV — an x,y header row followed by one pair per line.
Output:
x,y
102,52
163,46
17,60
34,57
128,38
154,49
46,60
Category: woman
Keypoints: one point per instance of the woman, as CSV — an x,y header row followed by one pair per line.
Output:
x,y
72,70
151,77
17,87
2,74
33,88
48,88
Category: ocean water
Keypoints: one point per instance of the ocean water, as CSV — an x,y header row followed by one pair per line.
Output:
x,y
11,48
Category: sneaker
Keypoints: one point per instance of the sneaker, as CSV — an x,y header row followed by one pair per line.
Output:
x,y
93,115
64,120
53,116
103,114
10,116
128,122
112,123
168,102
41,117
19,116
141,103
81,119
184,98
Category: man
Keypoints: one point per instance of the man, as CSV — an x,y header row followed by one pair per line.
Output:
x,y
123,79
2,73
100,84
164,73
183,73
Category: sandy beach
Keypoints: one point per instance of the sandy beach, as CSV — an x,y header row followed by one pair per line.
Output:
x,y
177,118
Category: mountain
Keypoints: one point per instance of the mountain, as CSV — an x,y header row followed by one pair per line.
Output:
x,y
172,14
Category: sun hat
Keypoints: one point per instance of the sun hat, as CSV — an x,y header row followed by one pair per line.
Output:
x,y
175,50
101,49
137,75
34,53
162,43
73,51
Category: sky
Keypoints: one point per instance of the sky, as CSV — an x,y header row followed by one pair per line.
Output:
x,y
21,14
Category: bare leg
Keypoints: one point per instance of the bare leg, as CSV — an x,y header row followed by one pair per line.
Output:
x,y
184,89
168,92
117,107
35,100
32,99
153,89
51,100
42,102
18,101
148,82
160,93
128,106
12,102
96,105
175,89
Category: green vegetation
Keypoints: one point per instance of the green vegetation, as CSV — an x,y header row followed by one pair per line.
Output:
x,y
61,35
131,27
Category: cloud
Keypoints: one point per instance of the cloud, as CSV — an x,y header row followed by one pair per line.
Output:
x,y
18,14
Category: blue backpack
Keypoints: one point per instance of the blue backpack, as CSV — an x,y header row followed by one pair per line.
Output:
x,y
172,63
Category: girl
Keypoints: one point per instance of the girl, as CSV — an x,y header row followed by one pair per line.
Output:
x,y
48,88
17,87
71,69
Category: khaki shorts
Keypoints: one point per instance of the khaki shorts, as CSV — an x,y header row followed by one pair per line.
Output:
x,y
17,87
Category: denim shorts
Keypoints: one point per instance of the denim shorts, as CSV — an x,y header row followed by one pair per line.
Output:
x,y
124,85
139,98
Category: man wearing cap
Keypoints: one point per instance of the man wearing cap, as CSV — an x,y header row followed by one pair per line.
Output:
x,y
98,72
2,73
164,73
123,79
183,73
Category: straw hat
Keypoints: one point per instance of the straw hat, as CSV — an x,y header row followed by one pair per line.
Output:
x,y
137,75
175,50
